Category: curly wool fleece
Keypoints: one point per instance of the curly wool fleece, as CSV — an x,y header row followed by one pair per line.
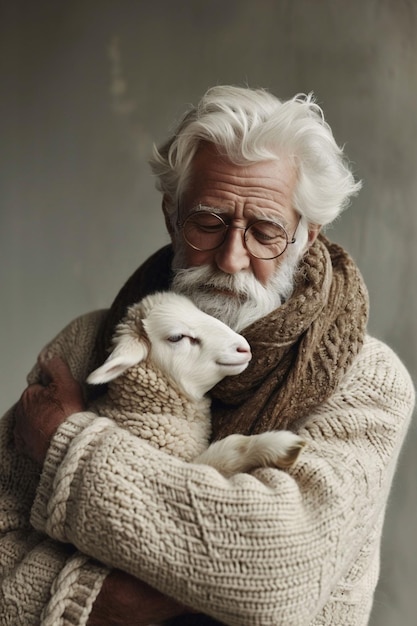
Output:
x,y
152,407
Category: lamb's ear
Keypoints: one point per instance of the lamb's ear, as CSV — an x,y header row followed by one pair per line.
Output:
x,y
128,351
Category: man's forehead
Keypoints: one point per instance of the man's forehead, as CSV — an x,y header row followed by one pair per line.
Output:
x,y
212,173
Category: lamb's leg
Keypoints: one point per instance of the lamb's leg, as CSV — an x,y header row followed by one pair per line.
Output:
x,y
239,453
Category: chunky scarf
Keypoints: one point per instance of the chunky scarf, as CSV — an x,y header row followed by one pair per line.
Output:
x,y
300,351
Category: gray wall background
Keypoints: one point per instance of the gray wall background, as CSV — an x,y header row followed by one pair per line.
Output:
x,y
88,85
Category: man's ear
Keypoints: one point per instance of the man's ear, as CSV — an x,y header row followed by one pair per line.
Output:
x,y
166,206
313,232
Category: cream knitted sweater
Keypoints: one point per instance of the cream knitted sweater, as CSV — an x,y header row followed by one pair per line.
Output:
x,y
274,548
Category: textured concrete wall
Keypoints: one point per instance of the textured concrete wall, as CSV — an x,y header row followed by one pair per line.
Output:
x,y
88,86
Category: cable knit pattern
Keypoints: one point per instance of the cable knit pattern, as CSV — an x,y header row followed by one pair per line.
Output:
x,y
63,479
65,606
273,548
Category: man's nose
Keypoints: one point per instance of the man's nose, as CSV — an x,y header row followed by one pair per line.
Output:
x,y
232,256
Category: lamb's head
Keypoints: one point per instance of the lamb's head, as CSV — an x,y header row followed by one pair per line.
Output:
x,y
193,348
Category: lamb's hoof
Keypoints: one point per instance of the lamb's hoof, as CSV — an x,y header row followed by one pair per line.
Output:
x,y
292,446
276,448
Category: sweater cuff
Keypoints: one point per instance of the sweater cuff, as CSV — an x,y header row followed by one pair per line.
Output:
x,y
65,455
74,592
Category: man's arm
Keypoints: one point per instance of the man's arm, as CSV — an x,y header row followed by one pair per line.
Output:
x,y
39,576
123,599
248,548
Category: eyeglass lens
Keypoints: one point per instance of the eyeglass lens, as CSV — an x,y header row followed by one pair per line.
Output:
x,y
207,231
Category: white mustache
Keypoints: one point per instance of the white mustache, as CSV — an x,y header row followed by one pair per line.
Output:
x,y
243,285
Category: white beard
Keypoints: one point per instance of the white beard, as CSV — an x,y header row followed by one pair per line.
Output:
x,y
246,300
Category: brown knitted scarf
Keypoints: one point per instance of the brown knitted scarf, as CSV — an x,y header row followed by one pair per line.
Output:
x,y
300,351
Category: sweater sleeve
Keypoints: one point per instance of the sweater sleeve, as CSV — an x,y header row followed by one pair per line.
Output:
x,y
42,581
267,548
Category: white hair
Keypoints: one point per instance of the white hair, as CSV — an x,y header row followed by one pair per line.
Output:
x,y
251,125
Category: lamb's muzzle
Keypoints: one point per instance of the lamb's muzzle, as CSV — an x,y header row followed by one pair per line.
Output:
x,y
236,359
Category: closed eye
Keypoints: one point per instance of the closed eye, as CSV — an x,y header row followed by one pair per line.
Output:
x,y
180,337
175,338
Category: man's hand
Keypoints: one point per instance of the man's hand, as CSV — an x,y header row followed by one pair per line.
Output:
x,y
42,408
127,601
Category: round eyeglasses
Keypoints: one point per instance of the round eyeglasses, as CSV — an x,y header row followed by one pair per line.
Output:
x,y
263,239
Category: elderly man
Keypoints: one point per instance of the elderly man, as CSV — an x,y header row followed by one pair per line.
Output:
x,y
113,531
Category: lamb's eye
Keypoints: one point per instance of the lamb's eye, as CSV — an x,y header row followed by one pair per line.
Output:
x,y
175,338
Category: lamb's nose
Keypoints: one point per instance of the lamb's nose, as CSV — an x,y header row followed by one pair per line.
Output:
x,y
244,348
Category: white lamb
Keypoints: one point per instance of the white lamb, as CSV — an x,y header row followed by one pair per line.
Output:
x,y
167,355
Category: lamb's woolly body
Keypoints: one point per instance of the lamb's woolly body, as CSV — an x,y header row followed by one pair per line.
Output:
x,y
152,391
151,406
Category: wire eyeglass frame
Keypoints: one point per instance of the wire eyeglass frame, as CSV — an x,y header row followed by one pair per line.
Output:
x,y
248,230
